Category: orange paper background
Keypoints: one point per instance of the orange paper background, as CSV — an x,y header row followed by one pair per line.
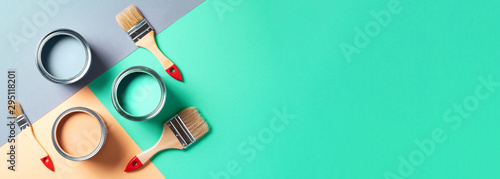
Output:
x,y
109,162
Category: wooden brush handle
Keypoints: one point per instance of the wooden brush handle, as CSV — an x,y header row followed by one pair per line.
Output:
x,y
148,42
167,141
39,150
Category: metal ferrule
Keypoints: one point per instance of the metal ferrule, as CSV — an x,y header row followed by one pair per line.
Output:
x,y
23,122
181,131
139,30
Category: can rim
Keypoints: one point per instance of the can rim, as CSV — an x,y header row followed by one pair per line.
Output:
x,y
116,84
104,133
70,33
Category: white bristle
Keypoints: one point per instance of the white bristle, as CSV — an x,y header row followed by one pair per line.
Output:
x,y
194,122
129,17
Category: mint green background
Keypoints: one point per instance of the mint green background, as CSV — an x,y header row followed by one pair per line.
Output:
x,y
352,120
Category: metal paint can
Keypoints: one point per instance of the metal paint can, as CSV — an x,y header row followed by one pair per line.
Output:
x,y
121,81
71,134
63,56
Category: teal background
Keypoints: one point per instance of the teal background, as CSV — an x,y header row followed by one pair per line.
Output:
x,y
351,119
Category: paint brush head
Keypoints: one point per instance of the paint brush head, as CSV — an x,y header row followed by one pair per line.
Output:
x,y
17,110
194,122
129,17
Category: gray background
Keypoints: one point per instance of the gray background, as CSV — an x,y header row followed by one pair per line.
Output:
x,y
94,20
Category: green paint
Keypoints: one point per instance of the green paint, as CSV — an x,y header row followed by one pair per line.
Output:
x,y
352,120
139,94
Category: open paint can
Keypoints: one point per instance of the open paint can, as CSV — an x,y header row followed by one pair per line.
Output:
x,y
138,93
63,56
79,133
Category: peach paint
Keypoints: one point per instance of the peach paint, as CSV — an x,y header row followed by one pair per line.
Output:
x,y
78,133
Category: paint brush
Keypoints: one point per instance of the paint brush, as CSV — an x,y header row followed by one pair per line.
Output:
x,y
24,124
143,35
178,133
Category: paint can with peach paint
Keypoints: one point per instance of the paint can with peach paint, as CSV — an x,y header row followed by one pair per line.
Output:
x,y
79,133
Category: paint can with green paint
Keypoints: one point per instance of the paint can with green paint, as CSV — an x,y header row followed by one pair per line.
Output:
x,y
138,93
